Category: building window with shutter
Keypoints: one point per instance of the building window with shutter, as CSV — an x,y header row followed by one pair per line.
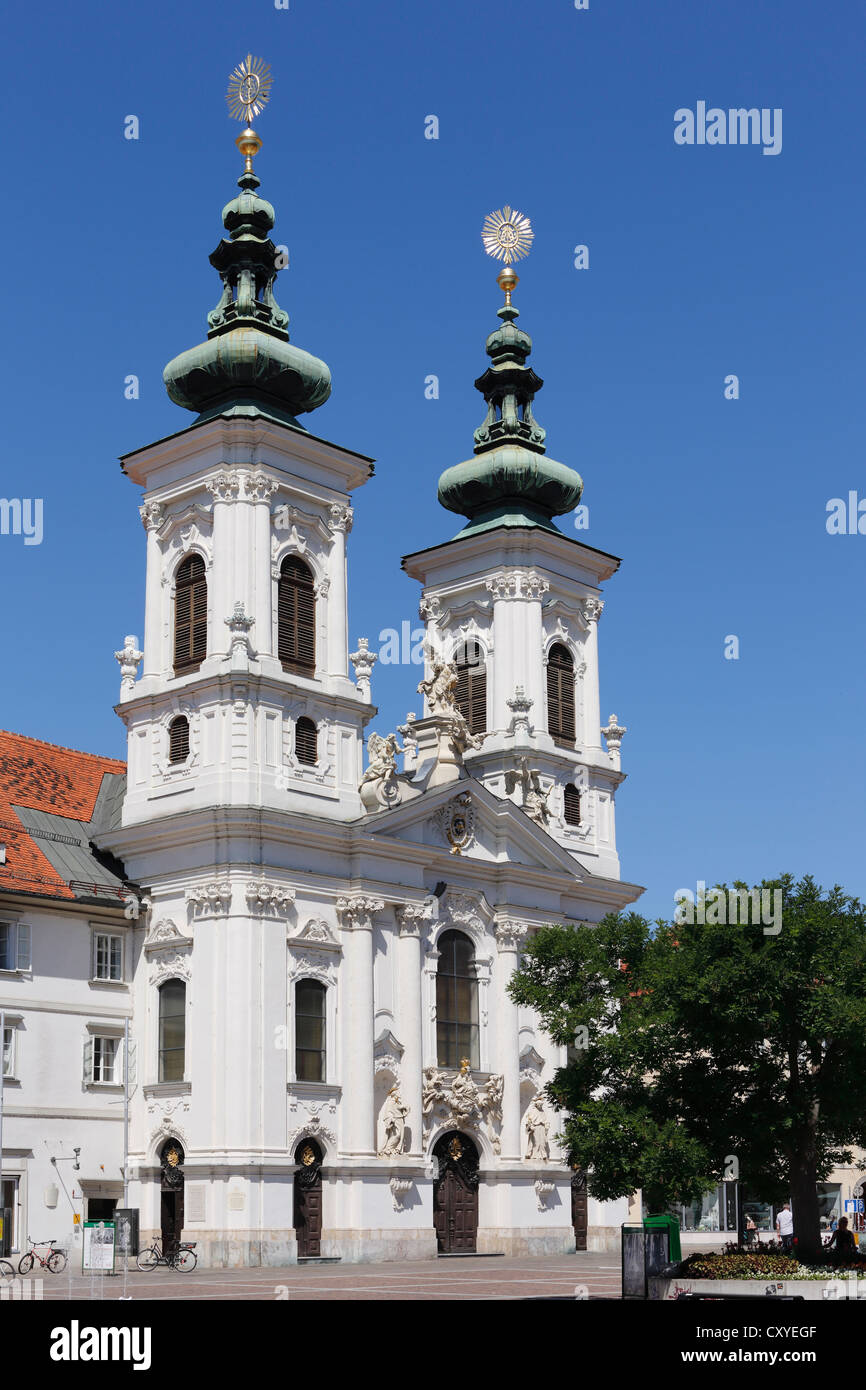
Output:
x,y
178,739
310,1051
14,946
572,805
107,957
456,1001
296,617
9,1059
471,691
306,742
172,1030
190,615
560,694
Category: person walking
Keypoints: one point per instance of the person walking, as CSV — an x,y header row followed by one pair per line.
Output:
x,y
751,1229
785,1227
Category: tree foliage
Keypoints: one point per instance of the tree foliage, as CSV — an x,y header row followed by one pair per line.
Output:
x,y
693,1042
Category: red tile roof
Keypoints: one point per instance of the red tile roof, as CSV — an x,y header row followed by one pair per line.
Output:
x,y
43,777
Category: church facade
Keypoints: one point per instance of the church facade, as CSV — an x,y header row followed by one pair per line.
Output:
x,y
328,1063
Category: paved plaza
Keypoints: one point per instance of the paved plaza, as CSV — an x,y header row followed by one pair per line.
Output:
x,y
585,1275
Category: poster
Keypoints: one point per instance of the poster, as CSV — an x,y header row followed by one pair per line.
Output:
x,y
97,1255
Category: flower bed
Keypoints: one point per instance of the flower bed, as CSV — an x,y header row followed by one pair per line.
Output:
x,y
763,1265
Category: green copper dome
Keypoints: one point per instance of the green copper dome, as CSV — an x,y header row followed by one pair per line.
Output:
x,y
510,481
247,364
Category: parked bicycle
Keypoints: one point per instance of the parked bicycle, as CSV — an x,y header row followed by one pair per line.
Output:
x,y
182,1257
54,1260
7,1272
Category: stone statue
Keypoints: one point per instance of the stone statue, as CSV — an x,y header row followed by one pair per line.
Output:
x,y
440,686
457,1100
380,778
393,1118
537,1129
534,796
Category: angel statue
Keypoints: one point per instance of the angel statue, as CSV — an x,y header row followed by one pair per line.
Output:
x,y
534,796
383,760
439,687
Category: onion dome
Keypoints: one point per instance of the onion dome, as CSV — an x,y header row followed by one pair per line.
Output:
x,y
248,365
510,481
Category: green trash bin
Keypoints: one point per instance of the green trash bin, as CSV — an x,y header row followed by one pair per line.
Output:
x,y
672,1226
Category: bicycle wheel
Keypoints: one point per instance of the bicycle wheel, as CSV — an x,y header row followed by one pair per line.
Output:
x,y
57,1261
25,1264
6,1271
148,1259
186,1261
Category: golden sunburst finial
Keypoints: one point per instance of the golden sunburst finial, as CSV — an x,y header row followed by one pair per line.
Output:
x,y
507,236
249,89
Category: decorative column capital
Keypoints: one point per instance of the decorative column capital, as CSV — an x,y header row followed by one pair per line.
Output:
x,y
152,515
224,486
510,935
429,609
356,914
520,705
258,487
517,584
412,917
592,609
265,899
341,517
129,658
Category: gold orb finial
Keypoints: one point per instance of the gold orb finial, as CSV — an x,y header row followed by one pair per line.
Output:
x,y
248,94
507,236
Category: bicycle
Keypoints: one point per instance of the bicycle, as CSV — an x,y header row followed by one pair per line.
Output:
x,y
55,1260
7,1272
182,1257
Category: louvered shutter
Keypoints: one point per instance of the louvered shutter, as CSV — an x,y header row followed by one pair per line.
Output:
x,y
190,614
23,948
471,690
560,694
178,740
306,741
296,618
572,805
88,1062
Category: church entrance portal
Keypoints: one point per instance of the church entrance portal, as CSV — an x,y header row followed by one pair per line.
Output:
x,y
308,1199
171,1195
455,1193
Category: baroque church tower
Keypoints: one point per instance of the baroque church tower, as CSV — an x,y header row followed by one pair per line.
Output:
x,y
328,1063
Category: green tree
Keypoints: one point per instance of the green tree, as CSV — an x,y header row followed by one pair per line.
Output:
x,y
694,1041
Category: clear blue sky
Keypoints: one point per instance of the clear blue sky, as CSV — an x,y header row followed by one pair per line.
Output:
x,y
704,261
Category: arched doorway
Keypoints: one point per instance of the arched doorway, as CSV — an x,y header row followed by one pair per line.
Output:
x,y
308,1199
171,1158
455,1193
579,1208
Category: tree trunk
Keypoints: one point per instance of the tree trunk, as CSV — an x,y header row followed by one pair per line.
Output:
x,y
804,1201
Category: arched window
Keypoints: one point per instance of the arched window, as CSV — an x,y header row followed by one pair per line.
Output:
x,y
306,741
296,617
471,692
178,739
172,1030
190,615
456,1001
560,694
310,1058
572,805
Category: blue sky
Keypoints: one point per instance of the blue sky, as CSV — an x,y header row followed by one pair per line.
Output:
x,y
704,261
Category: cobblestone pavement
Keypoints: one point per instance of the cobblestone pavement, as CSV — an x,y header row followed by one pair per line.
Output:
x,y
585,1275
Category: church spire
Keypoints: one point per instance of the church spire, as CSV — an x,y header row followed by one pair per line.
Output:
x,y
248,366
509,482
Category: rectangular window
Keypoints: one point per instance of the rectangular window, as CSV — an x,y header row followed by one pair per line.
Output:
x,y
172,1030
102,1057
14,946
107,956
9,1040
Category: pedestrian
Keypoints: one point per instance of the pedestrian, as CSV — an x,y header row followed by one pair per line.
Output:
x,y
785,1227
751,1229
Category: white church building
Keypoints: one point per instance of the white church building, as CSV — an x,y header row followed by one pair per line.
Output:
x,y
315,955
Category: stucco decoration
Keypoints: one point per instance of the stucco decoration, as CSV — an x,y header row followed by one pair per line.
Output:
x,y
400,1189
267,899
379,787
210,899
312,1128
456,823
455,1099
